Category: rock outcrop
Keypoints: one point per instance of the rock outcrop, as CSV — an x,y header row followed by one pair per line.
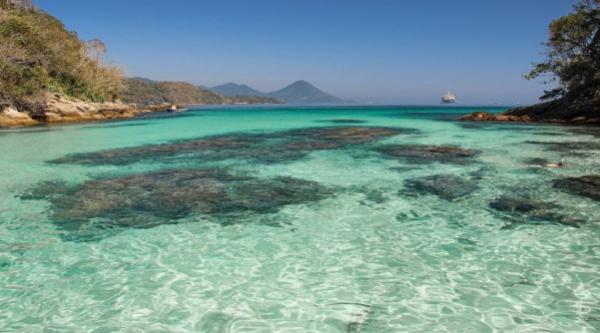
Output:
x,y
10,117
486,116
59,109
560,111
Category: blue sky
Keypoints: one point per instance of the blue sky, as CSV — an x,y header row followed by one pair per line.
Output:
x,y
385,51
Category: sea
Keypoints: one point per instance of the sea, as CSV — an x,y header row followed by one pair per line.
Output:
x,y
299,219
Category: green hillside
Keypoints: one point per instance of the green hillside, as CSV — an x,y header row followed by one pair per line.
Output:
x,y
38,55
143,92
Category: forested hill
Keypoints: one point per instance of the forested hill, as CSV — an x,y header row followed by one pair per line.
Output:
x,y
147,92
39,55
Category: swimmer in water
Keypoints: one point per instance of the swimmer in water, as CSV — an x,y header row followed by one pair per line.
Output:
x,y
556,165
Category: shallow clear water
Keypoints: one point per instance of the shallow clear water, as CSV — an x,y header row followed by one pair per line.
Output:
x,y
369,255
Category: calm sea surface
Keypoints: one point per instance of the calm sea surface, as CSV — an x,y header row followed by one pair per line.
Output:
x,y
362,219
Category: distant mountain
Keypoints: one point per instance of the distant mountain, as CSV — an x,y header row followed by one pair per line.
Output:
x,y
148,92
302,92
253,100
299,92
145,92
144,79
234,89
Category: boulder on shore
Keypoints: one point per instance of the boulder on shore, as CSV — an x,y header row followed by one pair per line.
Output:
x,y
565,110
10,117
57,108
60,109
486,116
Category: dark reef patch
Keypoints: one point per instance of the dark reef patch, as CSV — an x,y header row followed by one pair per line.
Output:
x,y
272,147
548,133
423,154
342,121
586,186
521,209
519,204
150,199
46,190
495,126
162,152
567,147
591,130
472,125
448,187
482,172
536,161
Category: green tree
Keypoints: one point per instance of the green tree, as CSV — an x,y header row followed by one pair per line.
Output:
x,y
573,56
38,55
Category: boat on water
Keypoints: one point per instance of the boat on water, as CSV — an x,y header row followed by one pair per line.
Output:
x,y
449,98
175,108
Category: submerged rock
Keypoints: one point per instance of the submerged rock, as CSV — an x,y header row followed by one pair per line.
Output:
x,y
273,147
45,190
162,152
343,121
537,161
448,187
482,172
592,130
486,116
518,204
422,154
567,147
151,199
348,134
523,209
586,186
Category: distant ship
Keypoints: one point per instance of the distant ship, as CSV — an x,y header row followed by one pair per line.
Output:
x,y
449,98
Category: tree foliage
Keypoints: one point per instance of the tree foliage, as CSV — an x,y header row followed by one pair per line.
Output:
x,y
573,56
38,54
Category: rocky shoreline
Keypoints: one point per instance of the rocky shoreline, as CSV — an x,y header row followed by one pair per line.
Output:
x,y
555,112
526,118
59,109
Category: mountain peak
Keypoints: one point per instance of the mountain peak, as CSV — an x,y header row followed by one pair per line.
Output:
x,y
234,89
303,92
298,92
301,83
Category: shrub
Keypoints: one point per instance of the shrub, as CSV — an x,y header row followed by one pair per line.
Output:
x,y
38,55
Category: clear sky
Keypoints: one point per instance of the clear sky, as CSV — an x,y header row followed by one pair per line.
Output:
x,y
385,51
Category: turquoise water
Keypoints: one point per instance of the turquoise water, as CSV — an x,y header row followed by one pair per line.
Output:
x,y
111,227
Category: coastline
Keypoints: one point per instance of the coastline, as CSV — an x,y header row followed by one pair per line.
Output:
x,y
60,109
556,112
